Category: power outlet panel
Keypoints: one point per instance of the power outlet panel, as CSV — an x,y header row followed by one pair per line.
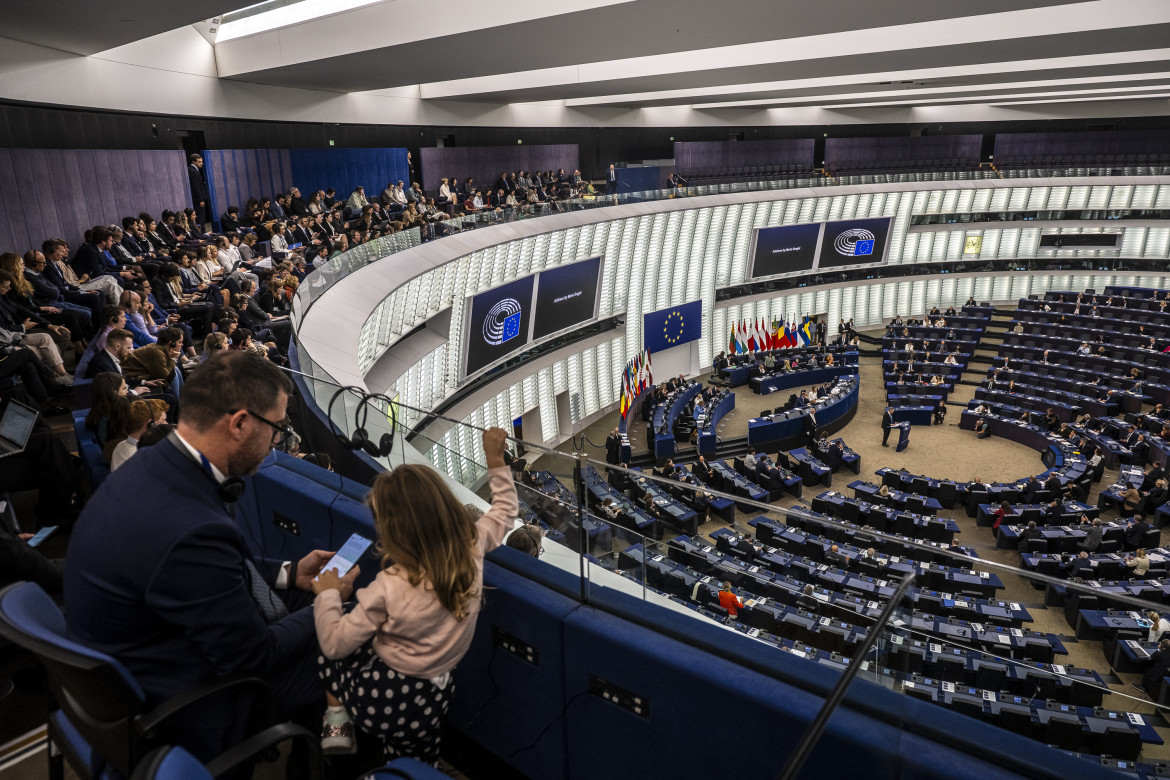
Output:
x,y
615,694
286,524
515,645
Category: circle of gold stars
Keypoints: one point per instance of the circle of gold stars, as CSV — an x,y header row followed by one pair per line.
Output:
x,y
666,327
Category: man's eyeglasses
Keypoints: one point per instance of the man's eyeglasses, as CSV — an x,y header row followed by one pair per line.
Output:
x,y
280,432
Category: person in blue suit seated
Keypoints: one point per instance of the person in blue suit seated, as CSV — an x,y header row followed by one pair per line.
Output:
x,y
159,576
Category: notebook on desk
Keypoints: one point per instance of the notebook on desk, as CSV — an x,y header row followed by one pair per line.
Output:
x,y
16,425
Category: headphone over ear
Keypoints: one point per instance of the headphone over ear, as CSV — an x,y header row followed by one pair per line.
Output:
x,y
230,490
360,440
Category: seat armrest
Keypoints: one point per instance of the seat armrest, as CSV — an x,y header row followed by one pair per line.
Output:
x,y
252,747
148,723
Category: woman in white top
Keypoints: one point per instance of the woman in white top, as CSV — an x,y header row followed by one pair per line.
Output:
x,y
277,245
445,195
950,360
206,266
1158,626
316,205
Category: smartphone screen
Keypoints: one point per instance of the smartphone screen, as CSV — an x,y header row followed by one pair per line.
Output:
x,y
41,535
345,558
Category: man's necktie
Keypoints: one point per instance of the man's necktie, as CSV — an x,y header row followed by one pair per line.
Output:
x,y
269,603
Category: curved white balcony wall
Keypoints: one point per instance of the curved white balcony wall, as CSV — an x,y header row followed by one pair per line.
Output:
x,y
668,252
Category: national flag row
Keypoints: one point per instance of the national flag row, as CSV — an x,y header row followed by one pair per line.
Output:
x,y
748,336
636,377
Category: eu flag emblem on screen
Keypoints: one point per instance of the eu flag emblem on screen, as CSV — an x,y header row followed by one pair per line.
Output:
x,y
512,326
863,247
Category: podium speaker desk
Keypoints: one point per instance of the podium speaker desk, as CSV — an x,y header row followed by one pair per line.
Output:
x,y
903,433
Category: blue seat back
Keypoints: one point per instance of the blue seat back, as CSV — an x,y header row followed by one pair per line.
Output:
x,y
97,695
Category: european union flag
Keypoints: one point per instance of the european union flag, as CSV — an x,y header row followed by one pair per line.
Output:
x,y
512,326
863,247
671,327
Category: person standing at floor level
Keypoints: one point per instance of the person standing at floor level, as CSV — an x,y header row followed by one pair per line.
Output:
x,y
611,180
887,423
613,446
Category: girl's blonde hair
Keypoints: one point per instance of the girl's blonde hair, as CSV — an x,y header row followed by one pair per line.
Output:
x,y
425,530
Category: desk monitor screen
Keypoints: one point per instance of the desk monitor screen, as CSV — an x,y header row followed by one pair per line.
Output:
x,y
854,242
785,249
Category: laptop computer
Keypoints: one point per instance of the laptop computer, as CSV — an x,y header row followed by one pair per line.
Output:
x,y
16,425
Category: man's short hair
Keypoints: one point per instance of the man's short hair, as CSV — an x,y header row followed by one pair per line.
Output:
x,y
119,333
194,156
99,234
227,383
50,245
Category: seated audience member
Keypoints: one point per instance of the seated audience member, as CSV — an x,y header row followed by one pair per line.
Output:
x,y
179,600
1135,532
139,417
93,258
729,601
169,290
109,408
1139,562
1030,532
1159,626
807,599
528,539
21,563
16,322
75,324
1093,536
91,293
37,382
155,365
1080,567
214,343
410,627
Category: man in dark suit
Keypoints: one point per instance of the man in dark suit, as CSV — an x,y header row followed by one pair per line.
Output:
x,y
611,180
613,445
180,599
1140,450
200,195
808,600
1081,566
887,423
1135,533
1159,667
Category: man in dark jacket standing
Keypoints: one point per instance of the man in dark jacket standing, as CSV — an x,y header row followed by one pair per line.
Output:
x,y
200,196
887,422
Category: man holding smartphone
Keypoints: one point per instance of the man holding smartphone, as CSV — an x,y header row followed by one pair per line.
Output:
x,y
170,588
19,561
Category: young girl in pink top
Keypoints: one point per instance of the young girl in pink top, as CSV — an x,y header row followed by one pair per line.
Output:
x,y
387,663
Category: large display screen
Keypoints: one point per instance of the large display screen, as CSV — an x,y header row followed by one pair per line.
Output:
x,y
566,296
781,250
498,323
854,241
